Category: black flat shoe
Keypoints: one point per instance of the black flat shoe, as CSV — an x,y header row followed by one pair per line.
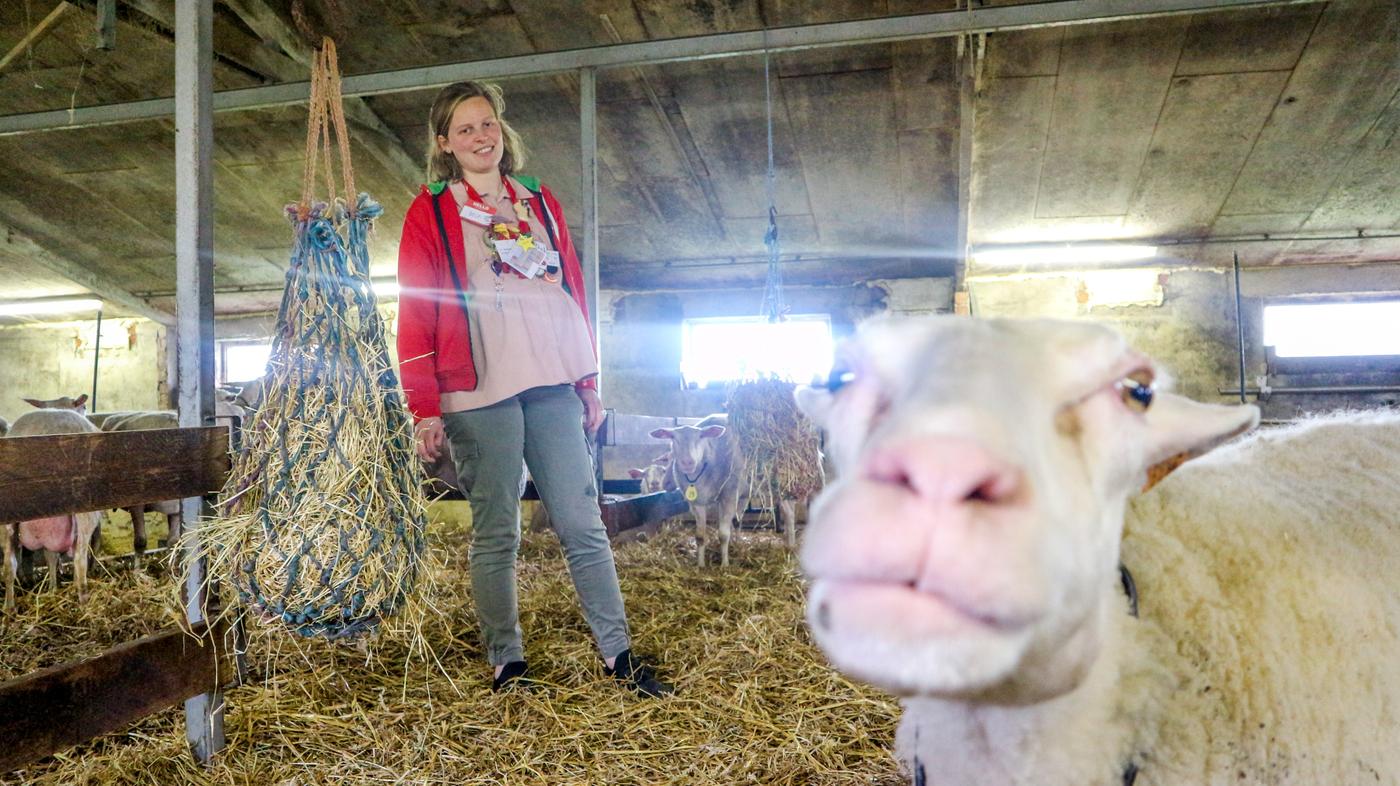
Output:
x,y
512,676
637,676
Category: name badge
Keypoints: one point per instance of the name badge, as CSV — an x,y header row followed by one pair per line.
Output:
x,y
472,215
535,262
527,263
551,261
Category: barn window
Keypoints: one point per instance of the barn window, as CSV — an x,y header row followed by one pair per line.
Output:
x,y
1333,329
728,349
242,361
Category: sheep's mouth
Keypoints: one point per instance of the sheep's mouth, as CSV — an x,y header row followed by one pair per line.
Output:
x,y
865,604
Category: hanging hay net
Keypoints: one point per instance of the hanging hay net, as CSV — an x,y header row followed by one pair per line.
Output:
x,y
779,443
321,521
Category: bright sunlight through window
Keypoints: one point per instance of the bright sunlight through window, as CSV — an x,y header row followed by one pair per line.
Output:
x,y
244,361
1333,329
744,348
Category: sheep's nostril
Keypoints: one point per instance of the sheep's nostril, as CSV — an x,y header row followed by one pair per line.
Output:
x,y
979,494
998,487
947,470
824,616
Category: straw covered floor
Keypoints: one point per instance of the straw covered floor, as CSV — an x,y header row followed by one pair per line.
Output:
x,y
757,703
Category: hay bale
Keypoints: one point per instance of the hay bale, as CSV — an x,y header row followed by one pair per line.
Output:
x,y
780,444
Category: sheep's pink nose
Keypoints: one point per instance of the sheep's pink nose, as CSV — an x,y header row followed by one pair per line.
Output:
x,y
944,470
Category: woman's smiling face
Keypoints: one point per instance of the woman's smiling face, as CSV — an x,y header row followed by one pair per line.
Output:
x,y
474,136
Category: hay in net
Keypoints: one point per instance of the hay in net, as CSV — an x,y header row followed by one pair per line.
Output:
x,y
780,444
321,520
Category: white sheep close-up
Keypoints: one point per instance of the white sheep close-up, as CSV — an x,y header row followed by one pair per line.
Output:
x,y
967,559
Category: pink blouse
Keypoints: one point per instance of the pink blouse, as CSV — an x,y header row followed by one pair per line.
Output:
x,y
525,333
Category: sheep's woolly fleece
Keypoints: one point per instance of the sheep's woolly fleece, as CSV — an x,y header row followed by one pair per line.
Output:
x,y
1271,564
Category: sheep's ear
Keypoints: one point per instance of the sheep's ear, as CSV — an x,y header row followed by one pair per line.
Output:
x,y
662,433
814,402
80,400
1177,424
712,431
635,473
34,402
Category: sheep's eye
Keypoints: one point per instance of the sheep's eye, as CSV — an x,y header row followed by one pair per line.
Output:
x,y
1136,390
840,376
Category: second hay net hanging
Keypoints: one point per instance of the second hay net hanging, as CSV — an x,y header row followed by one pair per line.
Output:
x,y
321,526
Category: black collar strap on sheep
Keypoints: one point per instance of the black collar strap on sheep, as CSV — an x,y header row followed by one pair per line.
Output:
x,y
1130,772
1129,589
696,479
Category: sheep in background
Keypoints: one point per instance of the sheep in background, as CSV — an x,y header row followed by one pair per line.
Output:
x,y
967,559
708,467
71,533
656,476
78,404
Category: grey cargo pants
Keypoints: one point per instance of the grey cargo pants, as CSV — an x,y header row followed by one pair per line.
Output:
x,y
542,425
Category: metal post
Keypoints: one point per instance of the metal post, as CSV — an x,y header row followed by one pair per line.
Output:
x,y
107,24
1239,324
96,352
967,118
194,287
588,124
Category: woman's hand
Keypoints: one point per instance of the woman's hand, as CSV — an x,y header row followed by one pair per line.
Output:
x,y
428,437
592,409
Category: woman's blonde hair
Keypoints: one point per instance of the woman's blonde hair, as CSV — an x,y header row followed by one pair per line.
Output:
x,y
441,164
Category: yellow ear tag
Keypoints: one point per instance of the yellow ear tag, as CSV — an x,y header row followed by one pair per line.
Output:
x,y
691,494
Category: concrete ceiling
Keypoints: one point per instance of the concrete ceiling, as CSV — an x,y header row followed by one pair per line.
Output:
x,y
1279,120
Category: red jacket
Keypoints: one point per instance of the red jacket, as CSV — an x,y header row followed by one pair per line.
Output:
x,y
435,350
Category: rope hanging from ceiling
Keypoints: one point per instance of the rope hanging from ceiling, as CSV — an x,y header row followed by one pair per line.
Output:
x,y
774,305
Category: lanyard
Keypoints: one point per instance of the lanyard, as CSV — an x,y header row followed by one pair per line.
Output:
x,y
522,211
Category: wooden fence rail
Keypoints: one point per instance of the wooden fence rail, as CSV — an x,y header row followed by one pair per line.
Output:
x,y
76,473
49,710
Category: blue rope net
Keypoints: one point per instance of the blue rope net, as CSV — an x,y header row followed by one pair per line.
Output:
x,y
323,513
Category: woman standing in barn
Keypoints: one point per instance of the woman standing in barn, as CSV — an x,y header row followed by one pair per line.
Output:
x,y
497,358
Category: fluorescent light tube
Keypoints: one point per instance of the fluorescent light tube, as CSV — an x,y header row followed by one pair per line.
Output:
x,y
60,306
1058,254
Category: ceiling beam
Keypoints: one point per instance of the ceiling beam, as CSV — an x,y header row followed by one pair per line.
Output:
x,y
233,48
380,141
289,60
45,26
16,242
984,19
